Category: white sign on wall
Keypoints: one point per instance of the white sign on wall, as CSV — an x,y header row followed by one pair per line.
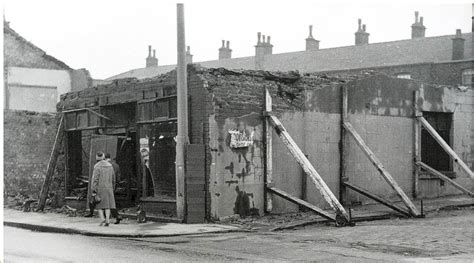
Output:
x,y
240,139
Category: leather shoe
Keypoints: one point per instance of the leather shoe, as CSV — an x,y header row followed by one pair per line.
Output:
x,y
117,221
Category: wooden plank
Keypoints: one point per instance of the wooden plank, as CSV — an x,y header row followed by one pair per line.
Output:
x,y
375,161
268,153
446,146
98,114
377,198
444,178
309,169
416,152
51,164
344,146
298,201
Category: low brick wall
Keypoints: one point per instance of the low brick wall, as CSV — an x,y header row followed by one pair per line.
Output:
x,y
28,140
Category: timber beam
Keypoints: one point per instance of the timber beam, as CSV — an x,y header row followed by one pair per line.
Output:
x,y
377,198
444,178
51,164
385,174
298,201
445,146
309,169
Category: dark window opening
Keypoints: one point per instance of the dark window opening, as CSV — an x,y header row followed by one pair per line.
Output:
x,y
121,115
431,152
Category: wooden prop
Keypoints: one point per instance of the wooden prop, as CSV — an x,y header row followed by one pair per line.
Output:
x,y
444,178
51,164
386,175
445,146
309,170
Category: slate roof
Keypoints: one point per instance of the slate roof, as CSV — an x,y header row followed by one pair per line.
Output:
x,y
8,30
401,52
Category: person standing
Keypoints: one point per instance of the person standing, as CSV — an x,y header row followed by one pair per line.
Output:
x,y
114,212
103,181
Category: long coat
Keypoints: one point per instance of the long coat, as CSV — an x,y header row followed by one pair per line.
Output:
x,y
103,182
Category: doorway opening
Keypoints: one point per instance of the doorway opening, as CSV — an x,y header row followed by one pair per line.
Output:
x,y
431,152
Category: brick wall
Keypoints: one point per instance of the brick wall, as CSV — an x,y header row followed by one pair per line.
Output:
x,y
28,141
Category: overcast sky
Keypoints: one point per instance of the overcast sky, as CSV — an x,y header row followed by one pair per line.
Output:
x,y
110,37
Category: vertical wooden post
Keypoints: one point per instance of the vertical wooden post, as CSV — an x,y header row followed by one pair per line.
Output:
x,y
344,147
268,152
182,137
417,152
51,164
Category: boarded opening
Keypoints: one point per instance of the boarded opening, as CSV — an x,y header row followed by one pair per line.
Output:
x,y
431,152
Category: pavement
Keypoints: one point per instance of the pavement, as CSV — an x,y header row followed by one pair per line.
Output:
x,y
61,223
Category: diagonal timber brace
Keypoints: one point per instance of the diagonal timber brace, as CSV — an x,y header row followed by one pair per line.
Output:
x,y
386,175
444,178
298,201
377,198
341,213
445,146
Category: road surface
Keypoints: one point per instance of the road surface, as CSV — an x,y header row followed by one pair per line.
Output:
x,y
441,236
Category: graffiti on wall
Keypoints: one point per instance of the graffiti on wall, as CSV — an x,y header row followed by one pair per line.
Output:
x,y
240,139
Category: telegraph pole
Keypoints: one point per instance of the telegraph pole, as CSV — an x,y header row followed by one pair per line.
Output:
x,y
182,138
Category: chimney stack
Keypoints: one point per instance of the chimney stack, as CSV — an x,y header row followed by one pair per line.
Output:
x,y
458,46
311,43
418,29
263,48
189,56
225,52
151,61
361,36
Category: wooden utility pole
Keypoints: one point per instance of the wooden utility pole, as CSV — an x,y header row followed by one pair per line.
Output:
x,y
51,164
182,138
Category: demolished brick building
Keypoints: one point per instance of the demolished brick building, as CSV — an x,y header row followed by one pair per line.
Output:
x,y
135,121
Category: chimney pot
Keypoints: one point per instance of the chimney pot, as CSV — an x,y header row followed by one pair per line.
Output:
x,y
259,34
149,50
418,29
458,33
263,39
361,36
154,53
268,39
311,31
225,52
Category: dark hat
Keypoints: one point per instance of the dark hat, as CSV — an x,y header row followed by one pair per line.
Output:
x,y
99,156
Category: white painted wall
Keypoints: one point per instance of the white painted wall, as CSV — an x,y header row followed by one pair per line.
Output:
x,y
41,82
